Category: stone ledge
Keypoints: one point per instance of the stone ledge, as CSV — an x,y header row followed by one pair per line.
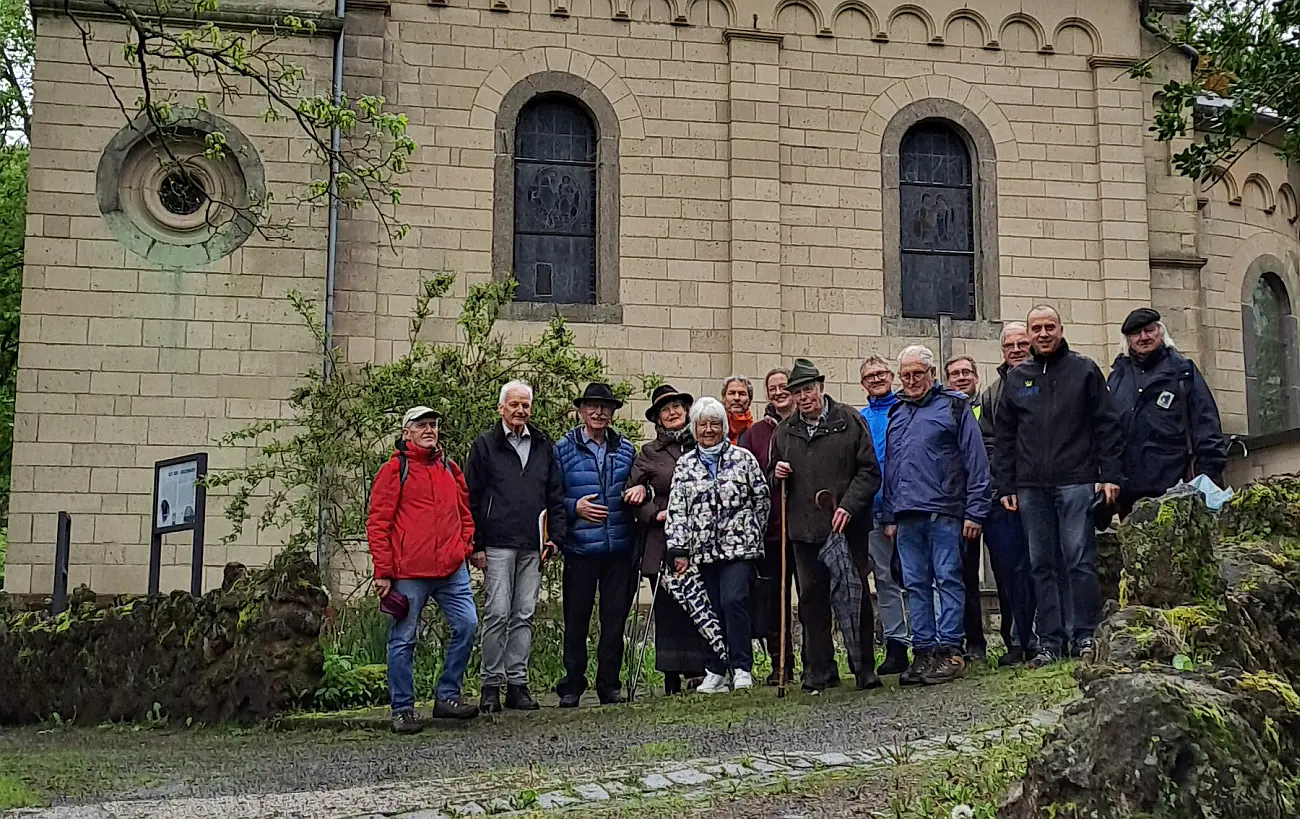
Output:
x,y
245,18
578,313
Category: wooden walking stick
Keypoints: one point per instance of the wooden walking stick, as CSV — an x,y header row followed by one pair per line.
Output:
x,y
780,663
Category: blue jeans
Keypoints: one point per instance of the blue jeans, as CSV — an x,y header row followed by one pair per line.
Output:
x,y
1058,525
1005,535
456,602
930,551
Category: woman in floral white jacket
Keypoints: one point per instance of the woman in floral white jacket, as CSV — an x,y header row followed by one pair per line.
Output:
x,y
717,514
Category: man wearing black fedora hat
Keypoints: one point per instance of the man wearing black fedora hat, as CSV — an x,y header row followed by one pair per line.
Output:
x,y
824,450
595,461
1172,430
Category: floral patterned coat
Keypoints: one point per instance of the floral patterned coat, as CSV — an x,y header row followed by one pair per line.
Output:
x,y
713,520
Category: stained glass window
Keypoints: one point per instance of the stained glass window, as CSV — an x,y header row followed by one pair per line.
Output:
x,y
1269,309
555,202
938,244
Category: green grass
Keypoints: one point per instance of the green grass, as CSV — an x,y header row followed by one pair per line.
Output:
x,y
15,793
668,749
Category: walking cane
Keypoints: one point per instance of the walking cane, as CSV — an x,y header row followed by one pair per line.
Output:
x,y
780,663
634,673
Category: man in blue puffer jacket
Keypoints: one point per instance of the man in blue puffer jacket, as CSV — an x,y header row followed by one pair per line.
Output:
x,y
597,550
940,497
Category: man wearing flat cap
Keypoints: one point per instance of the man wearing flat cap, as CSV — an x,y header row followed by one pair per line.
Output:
x,y
595,461
1171,422
824,453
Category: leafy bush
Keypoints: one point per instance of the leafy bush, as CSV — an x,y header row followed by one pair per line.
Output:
x,y
347,684
318,465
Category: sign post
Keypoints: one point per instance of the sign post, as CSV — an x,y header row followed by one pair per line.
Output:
x,y
62,555
179,505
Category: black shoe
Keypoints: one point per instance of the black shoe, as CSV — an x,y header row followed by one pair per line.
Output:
x,y
672,684
611,698
1087,649
1014,656
868,681
489,700
977,654
921,661
518,698
454,709
407,722
774,679
947,666
569,700
895,659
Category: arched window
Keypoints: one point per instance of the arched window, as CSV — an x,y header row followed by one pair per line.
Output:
x,y
1269,329
937,242
555,202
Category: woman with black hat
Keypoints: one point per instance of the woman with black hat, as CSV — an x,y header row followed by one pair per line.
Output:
x,y
680,651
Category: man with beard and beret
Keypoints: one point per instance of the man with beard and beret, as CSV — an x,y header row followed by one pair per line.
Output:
x,y
1171,422
824,450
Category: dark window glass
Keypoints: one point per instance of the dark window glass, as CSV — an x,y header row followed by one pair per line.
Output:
x,y
555,202
938,244
1270,308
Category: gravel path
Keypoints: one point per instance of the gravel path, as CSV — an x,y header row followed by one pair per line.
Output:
x,y
80,766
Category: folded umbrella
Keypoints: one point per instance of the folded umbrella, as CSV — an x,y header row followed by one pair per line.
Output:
x,y
688,590
846,589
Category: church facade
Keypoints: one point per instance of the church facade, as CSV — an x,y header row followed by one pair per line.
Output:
x,y
701,187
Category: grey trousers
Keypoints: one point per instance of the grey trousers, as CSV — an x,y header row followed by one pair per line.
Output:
x,y
889,595
511,583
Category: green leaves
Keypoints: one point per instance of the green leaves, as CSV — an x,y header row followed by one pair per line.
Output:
x,y
344,426
1249,67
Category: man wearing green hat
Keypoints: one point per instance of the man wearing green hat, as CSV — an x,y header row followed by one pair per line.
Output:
x,y
824,450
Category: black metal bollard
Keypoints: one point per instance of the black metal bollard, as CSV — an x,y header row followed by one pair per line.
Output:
x,y
62,554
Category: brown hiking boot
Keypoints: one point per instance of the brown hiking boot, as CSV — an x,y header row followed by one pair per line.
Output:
x,y
407,722
948,666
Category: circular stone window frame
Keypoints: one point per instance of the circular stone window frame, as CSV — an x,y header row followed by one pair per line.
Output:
x,y
130,174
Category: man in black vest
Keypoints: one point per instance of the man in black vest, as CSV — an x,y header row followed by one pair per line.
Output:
x,y
513,477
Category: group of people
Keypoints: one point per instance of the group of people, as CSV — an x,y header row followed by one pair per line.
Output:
x,y
907,491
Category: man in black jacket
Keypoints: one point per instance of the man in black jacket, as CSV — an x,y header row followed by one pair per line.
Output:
x,y
513,477
1171,422
1058,443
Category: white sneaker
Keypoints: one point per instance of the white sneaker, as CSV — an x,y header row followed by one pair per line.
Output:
x,y
713,684
741,679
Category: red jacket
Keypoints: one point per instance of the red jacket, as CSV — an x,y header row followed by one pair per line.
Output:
x,y
422,528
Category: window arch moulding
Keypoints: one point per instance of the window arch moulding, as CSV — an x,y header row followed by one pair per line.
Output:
x,y
606,308
981,148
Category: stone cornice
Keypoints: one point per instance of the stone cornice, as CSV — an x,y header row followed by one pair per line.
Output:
x,y
1180,262
381,6
262,18
1171,6
1112,61
752,34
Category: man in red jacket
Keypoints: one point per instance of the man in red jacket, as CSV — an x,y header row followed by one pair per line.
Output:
x,y
420,532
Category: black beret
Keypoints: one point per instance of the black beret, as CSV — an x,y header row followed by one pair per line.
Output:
x,y
1138,319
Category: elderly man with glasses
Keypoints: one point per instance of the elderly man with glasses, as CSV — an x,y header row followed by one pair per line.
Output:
x,y
1171,422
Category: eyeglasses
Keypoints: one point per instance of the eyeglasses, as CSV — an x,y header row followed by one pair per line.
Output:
x,y
967,373
1016,345
871,378
912,377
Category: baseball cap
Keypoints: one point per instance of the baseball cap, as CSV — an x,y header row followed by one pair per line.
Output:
x,y
416,413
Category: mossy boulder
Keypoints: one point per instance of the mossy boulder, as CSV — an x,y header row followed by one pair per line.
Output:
x,y
1138,636
1267,508
1168,554
1262,604
242,653
1157,746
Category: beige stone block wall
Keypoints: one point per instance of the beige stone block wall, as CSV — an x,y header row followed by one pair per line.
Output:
x,y
123,364
1279,458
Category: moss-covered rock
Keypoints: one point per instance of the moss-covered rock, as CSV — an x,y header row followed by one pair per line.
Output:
x,y
1267,508
1138,635
238,654
1262,605
1157,746
1110,564
1167,549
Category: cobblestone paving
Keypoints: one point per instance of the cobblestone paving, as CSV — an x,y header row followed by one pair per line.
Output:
x,y
694,781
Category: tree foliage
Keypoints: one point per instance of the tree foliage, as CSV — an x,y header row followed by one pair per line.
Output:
x,y
1249,68
316,467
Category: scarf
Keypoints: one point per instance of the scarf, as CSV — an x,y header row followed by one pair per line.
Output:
x,y
710,455
737,424
681,436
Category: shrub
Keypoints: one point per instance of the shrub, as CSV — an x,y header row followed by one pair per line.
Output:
x,y
348,685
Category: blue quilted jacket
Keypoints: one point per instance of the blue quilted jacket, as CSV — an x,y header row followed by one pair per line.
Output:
x,y
581,478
